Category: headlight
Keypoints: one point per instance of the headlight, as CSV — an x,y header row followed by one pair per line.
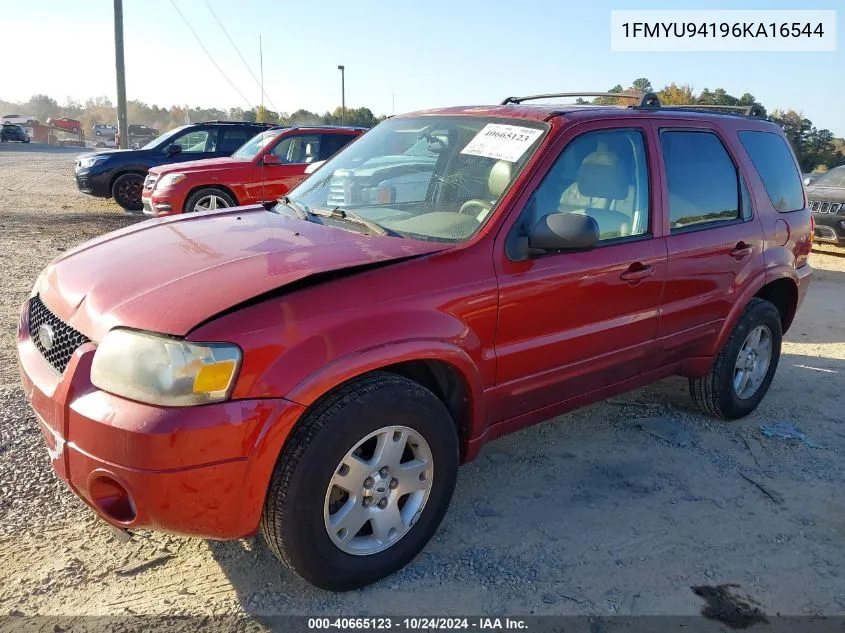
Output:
x,y
157,369
89,162
169,180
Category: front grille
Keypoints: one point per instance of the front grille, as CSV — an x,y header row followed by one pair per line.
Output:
x,y
66,340
826,206
150,182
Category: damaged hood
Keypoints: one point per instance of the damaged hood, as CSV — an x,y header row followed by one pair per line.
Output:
x,y
169,275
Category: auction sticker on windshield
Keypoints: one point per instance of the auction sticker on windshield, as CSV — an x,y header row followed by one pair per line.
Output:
x,y
502,142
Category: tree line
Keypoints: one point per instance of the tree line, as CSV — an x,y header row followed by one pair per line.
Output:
x,y
816,149
102,110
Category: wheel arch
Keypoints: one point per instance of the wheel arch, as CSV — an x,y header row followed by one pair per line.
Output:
x,y
447,371
783,294
781,289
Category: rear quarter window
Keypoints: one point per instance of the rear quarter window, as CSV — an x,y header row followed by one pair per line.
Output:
x,y
774,162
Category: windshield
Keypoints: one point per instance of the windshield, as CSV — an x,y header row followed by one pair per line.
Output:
x,y
833,178
161,140
429,177
248,150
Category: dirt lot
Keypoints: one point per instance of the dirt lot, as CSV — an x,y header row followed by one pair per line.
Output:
x,y
616,509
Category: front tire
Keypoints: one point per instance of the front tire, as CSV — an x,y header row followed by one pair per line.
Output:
x,y
745,368
208,199
126,191
383,438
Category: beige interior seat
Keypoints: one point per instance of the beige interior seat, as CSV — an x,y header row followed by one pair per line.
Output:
x,y
603,190
500,177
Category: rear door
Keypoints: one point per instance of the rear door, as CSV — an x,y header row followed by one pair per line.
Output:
x,y
713,238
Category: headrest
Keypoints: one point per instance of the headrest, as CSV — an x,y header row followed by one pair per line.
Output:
x,y
500,177
602,175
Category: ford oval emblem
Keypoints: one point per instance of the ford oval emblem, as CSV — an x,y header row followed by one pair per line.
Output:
x,y
46,336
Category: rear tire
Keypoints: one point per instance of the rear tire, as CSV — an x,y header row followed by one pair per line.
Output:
x,y
718,393
126,191
296,517
209,199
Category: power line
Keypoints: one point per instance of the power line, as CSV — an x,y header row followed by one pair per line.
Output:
x,y
207,54
237,50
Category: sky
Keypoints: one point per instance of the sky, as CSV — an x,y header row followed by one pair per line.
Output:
x,y
399,56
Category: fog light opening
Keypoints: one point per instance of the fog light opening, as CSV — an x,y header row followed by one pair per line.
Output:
x,y
112,499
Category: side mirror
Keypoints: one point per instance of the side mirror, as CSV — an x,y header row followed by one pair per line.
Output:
x,y
272,159
173,150
564,232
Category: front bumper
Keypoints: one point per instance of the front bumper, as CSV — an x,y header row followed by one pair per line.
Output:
x,y
200,471
830,228
93,182
153,208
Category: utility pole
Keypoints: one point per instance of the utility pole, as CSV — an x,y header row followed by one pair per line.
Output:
x,y
122,127
342,93
261,62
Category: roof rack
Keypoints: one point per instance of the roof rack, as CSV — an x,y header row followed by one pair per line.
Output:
x,y
235,123
754,110
650,101
617,95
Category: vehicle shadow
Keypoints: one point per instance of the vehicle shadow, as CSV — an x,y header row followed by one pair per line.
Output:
x,y
574,515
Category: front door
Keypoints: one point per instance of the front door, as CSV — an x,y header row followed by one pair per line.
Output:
x,y
294,153
574,322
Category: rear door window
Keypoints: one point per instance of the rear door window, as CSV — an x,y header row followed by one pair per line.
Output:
x,y
331,144
776,166
701,178
232,139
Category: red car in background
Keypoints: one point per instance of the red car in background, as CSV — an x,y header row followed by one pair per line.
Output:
x,y
265,168
64,123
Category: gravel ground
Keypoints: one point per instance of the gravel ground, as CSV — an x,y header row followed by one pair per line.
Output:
x,y
619,508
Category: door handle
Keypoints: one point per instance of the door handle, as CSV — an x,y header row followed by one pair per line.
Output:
x,y
636,273
742,251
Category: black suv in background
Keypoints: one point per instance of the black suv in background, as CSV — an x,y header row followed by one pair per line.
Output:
x,y
12,132
120,174
826,199
137,136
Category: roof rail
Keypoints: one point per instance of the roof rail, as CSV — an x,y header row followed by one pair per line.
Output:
x,y
754,110
236,123
618,95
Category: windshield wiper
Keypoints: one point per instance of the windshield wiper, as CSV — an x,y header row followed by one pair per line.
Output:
x,y
342,214
299,211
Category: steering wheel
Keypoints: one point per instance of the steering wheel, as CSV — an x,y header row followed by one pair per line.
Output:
x,y
475,206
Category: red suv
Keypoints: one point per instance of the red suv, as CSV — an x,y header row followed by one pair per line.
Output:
x,y
64,123
266,167
318,368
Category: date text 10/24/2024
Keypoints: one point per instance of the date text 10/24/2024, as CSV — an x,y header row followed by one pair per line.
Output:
x,y
417,624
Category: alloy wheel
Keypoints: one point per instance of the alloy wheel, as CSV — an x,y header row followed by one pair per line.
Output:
x,y
210,202
752,362
378,490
